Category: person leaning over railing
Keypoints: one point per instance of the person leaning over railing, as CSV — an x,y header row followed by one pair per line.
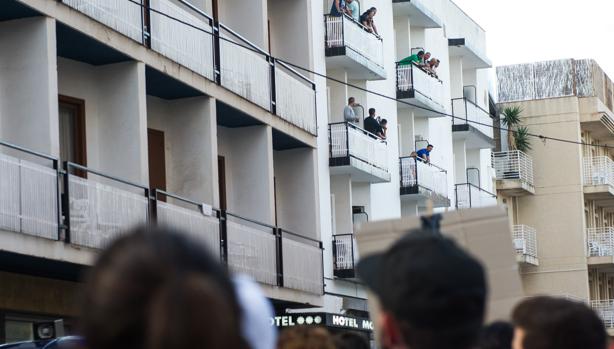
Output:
x,y
373,126
366,19
338,8
432,66
415,58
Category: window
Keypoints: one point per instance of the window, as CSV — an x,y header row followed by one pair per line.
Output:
x,y
72,130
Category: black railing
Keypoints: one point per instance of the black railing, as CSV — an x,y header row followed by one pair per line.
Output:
x,y
214,68
471,196
468,113
420,177
343,256
413,80
336,39
343,145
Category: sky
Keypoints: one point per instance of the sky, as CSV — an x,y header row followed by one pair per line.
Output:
x,y
522,31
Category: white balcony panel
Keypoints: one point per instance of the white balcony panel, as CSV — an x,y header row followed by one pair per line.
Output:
x,y
514,171
205,229
417,87
598,171
471,196
302,266
99,213
122,15
605,310
295,100
246,72
28,200
252,251
189,45
427,180
525,243
600,242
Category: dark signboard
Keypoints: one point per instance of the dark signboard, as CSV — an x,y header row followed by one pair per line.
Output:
x,y
323,319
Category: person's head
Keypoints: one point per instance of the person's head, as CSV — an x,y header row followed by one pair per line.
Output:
x,y
351,101
498,335
371,111
305,337
427,56
349,1
429,293
350,340
413,154
429,147
154,288
420,54
557,323
383,122
372,12
437,61
433,62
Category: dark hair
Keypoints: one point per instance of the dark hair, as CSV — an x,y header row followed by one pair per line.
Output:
x,y
156,289
557,323
383,122
430,145
305,337
371,111
420,53
351,99
351,340
498,335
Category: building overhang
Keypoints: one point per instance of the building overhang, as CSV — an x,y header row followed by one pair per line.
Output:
x,y
472,59
420,104
474,138
514,187
421,196
358,170
420,16
357,66
528,260
603,195
600,261
597,119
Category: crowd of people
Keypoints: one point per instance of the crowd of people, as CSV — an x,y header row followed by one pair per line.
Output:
x,y
424,61
351,8
156,288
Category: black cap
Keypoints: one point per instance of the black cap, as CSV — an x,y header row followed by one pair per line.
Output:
x,y
428,281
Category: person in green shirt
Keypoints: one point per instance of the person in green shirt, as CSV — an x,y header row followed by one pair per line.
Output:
x,y
416,58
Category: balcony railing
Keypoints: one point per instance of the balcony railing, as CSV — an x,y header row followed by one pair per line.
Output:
x,y
525,240
600,242
344,255
344,31
598,170
97,208
419,84
472,196
605,310
190,37
468,113
348,141
417,176
513,165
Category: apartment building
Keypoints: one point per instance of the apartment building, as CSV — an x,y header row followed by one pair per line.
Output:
x,y
121,112
559,194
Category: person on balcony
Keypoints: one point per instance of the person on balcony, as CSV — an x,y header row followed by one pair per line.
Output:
x,y
348,112
373,126
425,153
415,59
432,66
338,8
366,19
383,123
353,9
425,60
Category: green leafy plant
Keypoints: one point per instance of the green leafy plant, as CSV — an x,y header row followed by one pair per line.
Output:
x,y
518,137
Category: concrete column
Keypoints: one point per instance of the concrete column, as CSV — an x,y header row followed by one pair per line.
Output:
x,y
406,132
456,77
361,196
402,31
290,31
248,152
338,95
28,84
341,189
418,38
460,161
409,209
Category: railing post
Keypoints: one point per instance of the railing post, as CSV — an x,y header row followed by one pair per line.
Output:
x,y
280,257
271,61
347,140
153,205
66,202
223,236
217,62
58,200
146,23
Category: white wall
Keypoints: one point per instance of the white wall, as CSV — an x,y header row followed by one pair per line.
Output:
x,y
190,138
341,188
249,171
296,185
115,115
290,29
248,18
28,84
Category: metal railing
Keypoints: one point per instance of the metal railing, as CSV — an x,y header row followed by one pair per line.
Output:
x,y
467,112
513,165
344,31
600,241
605,310
187,35
344,255
472,196
347,141
412,78
421,175
598,170
29,192
525,240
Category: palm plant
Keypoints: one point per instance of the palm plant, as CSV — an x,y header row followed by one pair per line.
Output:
x,y
517,136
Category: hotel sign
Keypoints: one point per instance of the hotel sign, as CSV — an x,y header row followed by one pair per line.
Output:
x,y
323,319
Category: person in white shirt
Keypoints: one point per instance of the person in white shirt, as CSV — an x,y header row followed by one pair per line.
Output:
x,y
348,112
353,9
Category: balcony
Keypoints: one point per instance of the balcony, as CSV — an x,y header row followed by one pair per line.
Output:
x,y
514,173
344,256
96,208
466,39
358,153
525,243
350,47
600,245
421,181
420,12
472,196
422,92
472,124
605,310
186,35
598,174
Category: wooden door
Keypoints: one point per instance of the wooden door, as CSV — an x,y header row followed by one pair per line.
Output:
x,y
221,175
157,160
